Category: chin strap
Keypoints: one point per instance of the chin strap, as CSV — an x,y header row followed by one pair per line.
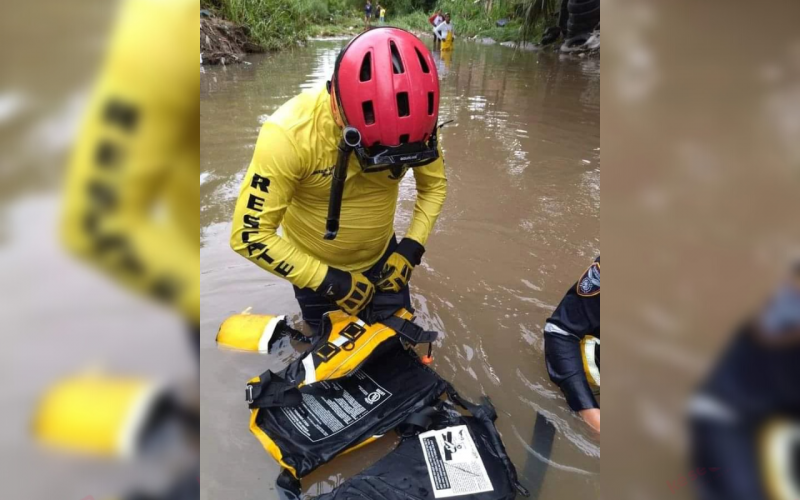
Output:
x,y
351,138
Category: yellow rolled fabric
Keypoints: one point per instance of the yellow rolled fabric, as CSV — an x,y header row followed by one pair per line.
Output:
x,y
96,414
250,332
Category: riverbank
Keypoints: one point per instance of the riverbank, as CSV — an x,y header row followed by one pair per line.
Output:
x,y
509,36
224,41
417,22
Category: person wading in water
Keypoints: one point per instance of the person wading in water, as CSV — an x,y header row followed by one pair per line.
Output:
x,y
385,89
367,14
572,345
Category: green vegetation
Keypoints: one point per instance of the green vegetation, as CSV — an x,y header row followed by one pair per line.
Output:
x,y
482,27
272,24
526,18
275,24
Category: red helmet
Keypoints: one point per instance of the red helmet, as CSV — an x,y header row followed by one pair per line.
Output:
x,y
386,86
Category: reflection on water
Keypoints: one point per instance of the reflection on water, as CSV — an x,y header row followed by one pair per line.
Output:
x,y
323,68
520,224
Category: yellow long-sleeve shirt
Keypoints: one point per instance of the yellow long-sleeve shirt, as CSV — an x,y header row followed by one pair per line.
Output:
x,y
131,199
288,184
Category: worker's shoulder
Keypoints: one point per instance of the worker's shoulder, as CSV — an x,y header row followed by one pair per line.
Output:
x,y
300,111
306,123
589,283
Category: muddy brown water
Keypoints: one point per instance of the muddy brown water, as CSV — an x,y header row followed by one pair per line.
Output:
x,y
521,223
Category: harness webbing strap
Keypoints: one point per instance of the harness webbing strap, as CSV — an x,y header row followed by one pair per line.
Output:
x,y
272,390
485,410
410,331
418,422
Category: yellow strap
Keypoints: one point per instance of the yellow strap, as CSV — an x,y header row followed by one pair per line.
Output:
x,y
587,350
364,345
360,445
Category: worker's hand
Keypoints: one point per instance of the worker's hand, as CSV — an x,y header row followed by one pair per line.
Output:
x,y
397,269
352,292
592,417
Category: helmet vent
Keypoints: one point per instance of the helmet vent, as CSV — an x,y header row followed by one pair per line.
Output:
x,y
366,68
402,104
422,62
404,139
397,62
430,103
369,112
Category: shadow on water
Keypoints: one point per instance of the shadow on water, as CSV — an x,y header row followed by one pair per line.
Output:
x,y
520,224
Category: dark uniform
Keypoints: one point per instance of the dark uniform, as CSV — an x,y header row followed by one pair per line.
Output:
x,y
752,388
571,334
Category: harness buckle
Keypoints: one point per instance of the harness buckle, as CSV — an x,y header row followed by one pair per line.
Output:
x,y
248,389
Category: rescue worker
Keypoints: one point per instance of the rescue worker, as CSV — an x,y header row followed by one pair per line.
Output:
x,y
744,415
572,345
385,86
442,29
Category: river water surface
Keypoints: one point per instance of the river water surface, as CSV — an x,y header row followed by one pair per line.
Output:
x,y
521,223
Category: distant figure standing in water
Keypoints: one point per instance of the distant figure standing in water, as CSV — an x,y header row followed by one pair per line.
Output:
x,y
435,20
382,12
367,14
442,29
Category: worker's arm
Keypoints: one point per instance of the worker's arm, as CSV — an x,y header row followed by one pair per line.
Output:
x,y
431,193
436,30
134,167
267,190
576,316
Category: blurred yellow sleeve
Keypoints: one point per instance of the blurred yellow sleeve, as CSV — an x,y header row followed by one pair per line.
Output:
x,y
431,193
131,204
274,174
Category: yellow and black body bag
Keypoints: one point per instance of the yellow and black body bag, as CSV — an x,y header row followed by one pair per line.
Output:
x,y
357,382
442,453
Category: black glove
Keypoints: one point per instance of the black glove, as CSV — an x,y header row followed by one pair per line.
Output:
x,y
352,292
397,269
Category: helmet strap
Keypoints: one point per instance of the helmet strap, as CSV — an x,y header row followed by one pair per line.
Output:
x,y
337,117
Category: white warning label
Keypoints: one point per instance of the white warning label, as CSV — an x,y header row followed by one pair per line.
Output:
x,y
454,464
